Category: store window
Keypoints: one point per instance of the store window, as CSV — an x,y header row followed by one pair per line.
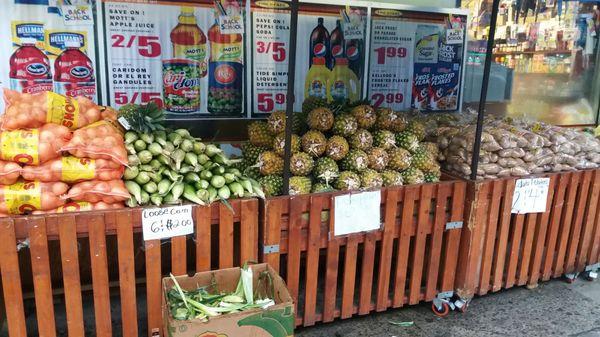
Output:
x,y
545,59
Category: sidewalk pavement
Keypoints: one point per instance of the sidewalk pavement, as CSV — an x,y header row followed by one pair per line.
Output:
x,y
554,308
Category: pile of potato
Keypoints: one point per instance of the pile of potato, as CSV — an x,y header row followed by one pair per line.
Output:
x,y
517,148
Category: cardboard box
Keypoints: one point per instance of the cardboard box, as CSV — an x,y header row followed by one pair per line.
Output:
x,y
276,321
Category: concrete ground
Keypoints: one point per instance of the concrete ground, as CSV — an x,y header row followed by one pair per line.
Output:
x,y
554,308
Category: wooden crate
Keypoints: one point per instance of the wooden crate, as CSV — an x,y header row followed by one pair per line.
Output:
x,y
236,241
410,259
500,250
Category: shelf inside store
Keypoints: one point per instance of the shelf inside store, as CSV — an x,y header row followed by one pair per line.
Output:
x,y
536,52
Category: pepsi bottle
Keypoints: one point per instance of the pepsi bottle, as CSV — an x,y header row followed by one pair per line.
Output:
x,y
338,48
319,43
354,54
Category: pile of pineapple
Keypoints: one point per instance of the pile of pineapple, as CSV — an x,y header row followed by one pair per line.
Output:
x,y
340,148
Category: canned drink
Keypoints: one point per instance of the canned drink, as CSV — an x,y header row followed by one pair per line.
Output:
x,y
225,87
181,86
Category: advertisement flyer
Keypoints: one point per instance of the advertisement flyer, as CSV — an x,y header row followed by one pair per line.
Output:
x,y
49,46
188,57
330,53
270,41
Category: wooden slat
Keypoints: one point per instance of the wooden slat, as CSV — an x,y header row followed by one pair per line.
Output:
x,y
249,231
490,237
453,237
575,235
272,231
408,206
178,255
595,245
565,230
555,217
71,279
153,287
312,259
529,232
502,234
387,246
127,273
329,300
435,244
540,237
293,263
349,277
100,275
419,247
11,280
203,238
225,237
515,246
587,232
40,268
366,275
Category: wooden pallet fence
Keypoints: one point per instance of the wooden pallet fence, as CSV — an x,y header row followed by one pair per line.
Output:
x,y
500,250
223,238
410,259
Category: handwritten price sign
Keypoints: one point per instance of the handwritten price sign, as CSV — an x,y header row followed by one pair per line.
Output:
x,y
167,222
530,196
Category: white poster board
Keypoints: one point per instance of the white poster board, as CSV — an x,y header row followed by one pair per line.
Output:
x,y
167,222
355,213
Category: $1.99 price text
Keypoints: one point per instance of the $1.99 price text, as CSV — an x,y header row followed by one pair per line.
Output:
x,y
162,223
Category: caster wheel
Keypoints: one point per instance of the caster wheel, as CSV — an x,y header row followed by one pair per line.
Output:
x,y
570,280
445,310
464,308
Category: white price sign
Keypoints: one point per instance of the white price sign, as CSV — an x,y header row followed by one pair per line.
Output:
x,y
355,213
167,222
530,196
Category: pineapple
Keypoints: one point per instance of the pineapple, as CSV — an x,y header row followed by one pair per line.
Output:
x,y
413,176
347,181
356,161
314,143
361,140
423,160
400,159
384,139
251,152
391,178
270,163
300,185
408,141
385,118
431,148
399,124
279,144
142,118
321,188
301,164
326,170
320,119
272,185
252,172
370,179
337,147
378,159
365,116
345,125
432,176
311,103
416,128
259,135
276,122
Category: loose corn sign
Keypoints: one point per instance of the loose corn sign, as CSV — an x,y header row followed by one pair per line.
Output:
x,y
167,222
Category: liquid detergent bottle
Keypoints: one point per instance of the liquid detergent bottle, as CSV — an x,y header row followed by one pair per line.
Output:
x,y
189,41
30,68
74,72
343,84
316,79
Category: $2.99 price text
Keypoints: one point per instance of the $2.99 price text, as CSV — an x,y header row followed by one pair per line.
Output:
x,y
161,223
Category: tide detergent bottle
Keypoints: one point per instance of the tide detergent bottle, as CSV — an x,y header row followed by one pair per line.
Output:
x,y
315,84
343,85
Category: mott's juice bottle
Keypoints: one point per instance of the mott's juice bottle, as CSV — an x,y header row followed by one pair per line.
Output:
x,y
225,71
316,79
30,69
343,83
74,72
189,41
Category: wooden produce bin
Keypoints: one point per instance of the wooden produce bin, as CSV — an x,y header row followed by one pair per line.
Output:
x,y
500,250
412,258
223,239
